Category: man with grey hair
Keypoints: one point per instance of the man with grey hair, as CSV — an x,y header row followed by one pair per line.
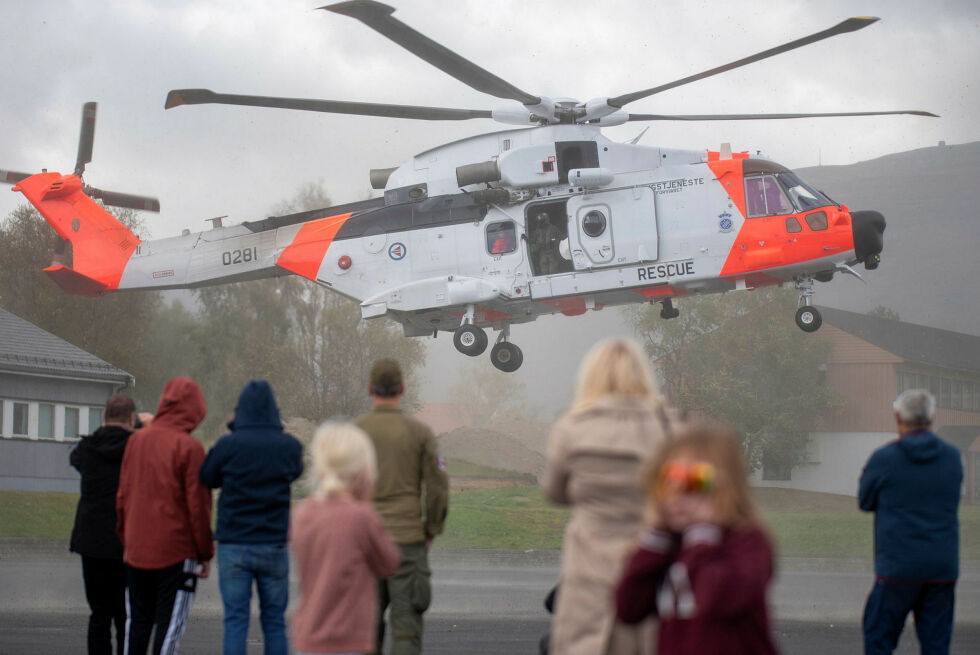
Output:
x,y
913,485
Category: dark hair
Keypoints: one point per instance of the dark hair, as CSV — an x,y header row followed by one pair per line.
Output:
x,y
119,408
386,378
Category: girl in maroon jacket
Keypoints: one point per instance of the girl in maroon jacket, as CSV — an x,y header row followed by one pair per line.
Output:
x,y
705,562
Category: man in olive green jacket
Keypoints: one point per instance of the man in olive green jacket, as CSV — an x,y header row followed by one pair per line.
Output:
x,y
410,473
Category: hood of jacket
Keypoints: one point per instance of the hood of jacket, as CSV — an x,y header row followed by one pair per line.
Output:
x,y
181,405
920,446
107,442
256,407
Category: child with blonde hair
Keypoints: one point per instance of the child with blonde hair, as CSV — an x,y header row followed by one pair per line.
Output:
x,y
340,547
705,562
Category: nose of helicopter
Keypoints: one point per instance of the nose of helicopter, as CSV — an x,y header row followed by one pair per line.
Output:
x,y
868,228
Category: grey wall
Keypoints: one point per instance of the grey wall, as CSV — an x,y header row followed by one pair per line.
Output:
x,y
54,390
27,465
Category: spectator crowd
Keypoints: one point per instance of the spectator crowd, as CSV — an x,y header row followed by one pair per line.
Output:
x,y
664,552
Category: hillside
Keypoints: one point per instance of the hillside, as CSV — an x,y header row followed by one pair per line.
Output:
x,y
929,267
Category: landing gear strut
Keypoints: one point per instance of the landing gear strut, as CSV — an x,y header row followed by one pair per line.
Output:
x,y
468,338
668,310
808,318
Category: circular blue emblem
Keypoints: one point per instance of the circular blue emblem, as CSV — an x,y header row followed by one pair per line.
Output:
x,y
726,224
397,251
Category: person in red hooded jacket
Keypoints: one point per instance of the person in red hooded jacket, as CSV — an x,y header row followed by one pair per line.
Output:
x,y
163,515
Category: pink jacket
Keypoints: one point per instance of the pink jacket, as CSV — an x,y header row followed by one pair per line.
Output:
x,y
340,549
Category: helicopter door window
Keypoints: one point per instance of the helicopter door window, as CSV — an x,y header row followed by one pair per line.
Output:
x,y
501,238
793,225
764,197
594,223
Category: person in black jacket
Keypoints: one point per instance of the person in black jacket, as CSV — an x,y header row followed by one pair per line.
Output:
x,y
98,458
254,466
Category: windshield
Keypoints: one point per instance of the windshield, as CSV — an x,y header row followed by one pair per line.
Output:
x,y
802,195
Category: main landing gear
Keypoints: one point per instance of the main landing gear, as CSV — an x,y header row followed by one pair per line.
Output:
x,y
472,340
808,318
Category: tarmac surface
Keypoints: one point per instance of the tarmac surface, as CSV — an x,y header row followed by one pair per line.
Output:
x,y
485,602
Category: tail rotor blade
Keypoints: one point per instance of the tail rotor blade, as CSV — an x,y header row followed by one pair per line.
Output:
x,y
127,200
12,177
86,138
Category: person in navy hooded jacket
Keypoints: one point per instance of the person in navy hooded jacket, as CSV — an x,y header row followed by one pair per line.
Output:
x,y
913,487
254,466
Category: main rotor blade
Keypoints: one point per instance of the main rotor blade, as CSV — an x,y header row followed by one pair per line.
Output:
x,y
849,25
13,177
752,117
128,200
378,17
179,97
86,138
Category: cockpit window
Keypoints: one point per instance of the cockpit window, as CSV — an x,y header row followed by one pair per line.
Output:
x,y
764,197
803,196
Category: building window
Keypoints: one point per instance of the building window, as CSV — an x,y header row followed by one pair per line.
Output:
x,y
94,419
71,422
21,421
45,421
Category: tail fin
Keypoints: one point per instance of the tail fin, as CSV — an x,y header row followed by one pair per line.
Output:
x,y
101,245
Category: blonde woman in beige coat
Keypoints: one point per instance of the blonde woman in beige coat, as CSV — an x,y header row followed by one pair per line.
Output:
x,y
595,455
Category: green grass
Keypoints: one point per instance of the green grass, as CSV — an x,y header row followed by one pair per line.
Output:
x,y
520,518
41,515
517,518
460,468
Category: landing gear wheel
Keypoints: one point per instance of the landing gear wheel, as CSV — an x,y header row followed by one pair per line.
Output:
x,y
668,310
470,340
808,318
506,356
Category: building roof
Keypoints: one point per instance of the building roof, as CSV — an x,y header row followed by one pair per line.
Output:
x,y
24,347
913,343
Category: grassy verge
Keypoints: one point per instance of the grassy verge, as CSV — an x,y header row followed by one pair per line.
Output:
x,y
460,468
520,518
39,515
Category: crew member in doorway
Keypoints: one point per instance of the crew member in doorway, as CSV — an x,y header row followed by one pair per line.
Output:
x,y
544,245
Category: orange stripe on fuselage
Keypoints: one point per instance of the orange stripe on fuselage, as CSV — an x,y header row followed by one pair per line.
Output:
x,y
305,253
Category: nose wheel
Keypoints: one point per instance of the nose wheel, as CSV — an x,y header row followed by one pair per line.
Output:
x,y
808,318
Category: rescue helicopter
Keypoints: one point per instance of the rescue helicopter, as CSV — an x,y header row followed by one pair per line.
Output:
x,y
499,228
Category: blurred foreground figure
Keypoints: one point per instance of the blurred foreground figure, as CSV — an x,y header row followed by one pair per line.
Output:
x,y
98,458
705,562
913,487
254,466
164,520
409,469
341,547
594,457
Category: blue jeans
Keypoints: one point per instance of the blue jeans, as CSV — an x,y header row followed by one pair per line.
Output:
x,y
268,565
889,604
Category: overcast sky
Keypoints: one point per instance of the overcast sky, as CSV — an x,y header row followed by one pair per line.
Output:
x,y
204,161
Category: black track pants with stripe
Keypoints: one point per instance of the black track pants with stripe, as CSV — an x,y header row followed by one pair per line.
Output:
x,y
158,598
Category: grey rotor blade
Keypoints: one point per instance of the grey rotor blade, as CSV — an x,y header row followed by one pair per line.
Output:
x,y
179,97
86,137
752,117
13,177
378,17
849,25
127,200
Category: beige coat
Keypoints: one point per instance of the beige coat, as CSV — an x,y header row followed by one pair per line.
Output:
x,y
594,465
